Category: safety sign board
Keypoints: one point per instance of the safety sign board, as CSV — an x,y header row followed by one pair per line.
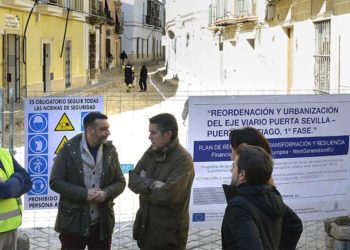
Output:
x,y
64,124
60,145
49,123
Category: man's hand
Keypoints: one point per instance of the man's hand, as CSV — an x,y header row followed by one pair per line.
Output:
x,y
93,194
101,196
157,184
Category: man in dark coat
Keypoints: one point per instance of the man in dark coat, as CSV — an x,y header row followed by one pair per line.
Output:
x,y
292,226
143,78
253,217
123,56
163,178
87,175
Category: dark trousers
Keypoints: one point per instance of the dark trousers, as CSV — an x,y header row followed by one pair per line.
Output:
x,y
76,242
143,84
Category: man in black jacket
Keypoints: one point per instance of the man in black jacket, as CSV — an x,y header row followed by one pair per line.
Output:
x,y
253,217
123,56
143,78
87,175
292,226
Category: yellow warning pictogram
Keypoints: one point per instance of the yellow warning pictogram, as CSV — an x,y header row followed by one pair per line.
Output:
x,y
64,124
63,141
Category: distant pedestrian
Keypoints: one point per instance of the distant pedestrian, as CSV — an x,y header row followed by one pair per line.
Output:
x,y
143,78
110,59
123,56
129,75
87,175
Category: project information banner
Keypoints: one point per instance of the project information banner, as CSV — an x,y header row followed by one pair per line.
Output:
x,y
309,137
49,123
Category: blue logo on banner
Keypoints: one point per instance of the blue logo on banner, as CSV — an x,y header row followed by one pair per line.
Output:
x,y
205,151
82,116
126,167
297,147
198,217
38,123
38,165
38,144
39,186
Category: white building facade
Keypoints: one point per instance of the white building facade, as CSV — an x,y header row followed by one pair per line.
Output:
x,y
276,45
143,30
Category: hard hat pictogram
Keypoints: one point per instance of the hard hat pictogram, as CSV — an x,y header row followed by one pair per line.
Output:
x,y
64,124
38,123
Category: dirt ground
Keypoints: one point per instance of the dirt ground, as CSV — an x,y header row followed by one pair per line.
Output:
x,y
113,89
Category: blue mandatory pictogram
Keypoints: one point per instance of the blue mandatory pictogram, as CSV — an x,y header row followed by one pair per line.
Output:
x,y
39,186
38,123
38,144
82,116
37,165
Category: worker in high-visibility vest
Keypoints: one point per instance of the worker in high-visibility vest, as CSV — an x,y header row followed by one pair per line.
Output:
x,y
129,76
14,181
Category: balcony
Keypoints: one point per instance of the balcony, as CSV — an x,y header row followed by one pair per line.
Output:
x,y
49,7
75,5
96,15
60,7
154,21
232,12
118,27
108,18
21,4
212,14
118,2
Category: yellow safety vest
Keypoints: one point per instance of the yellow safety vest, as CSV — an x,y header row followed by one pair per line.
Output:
x,y
10,209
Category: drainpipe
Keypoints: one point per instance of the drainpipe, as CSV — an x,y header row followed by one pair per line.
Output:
x,y
100,49
65,32
11,119
24,49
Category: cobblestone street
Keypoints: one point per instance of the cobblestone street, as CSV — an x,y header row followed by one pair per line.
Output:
x,y
199,239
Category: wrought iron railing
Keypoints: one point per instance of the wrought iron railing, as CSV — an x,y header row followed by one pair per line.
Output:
x,y
221,10
96,8
152,20
77,5
212,14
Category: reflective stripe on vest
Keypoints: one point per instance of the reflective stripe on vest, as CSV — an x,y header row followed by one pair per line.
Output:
x,y
10,214
10,209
